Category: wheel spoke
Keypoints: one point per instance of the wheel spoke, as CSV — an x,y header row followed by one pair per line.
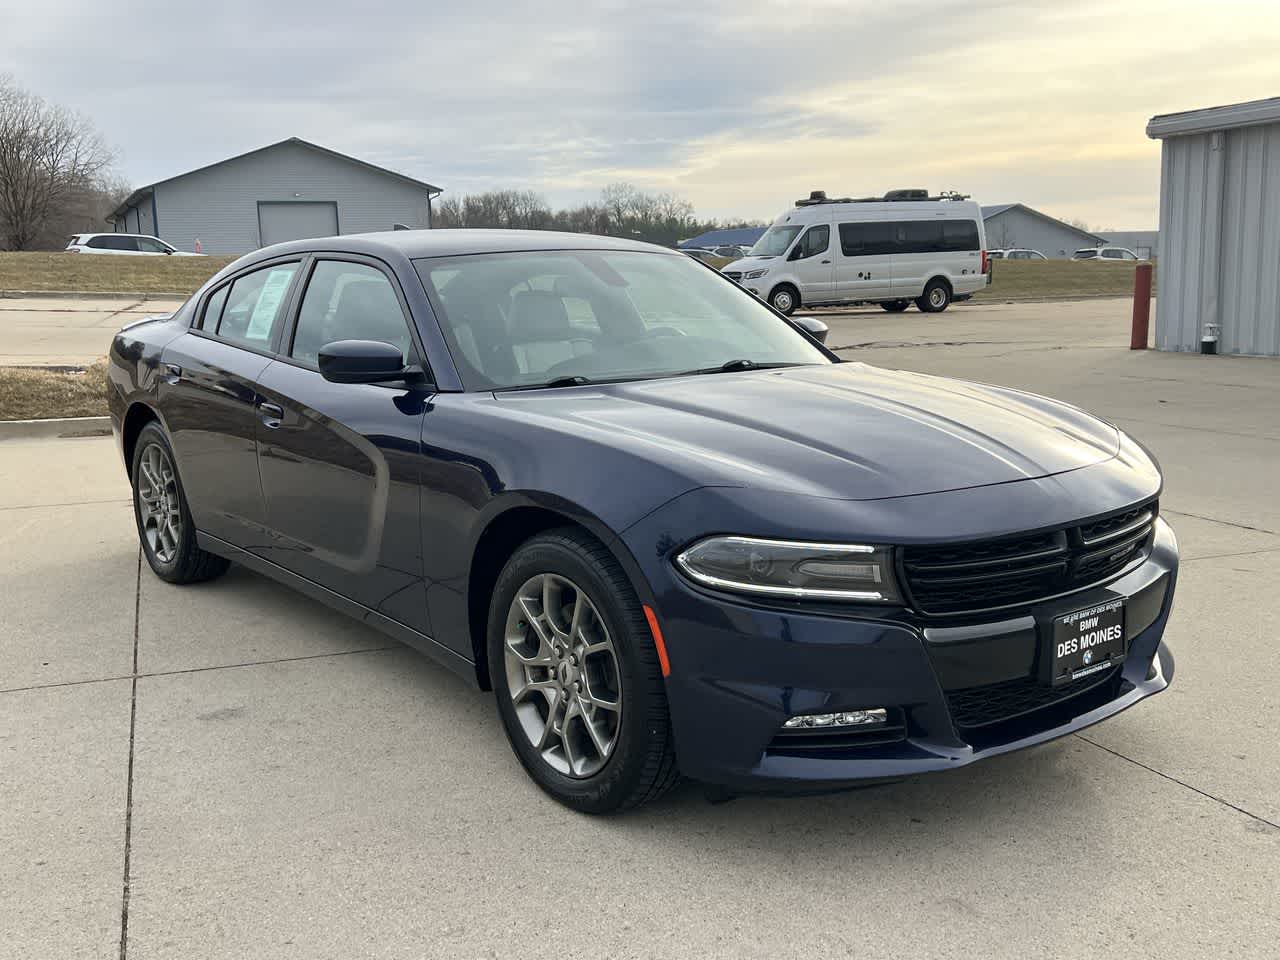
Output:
x,y
601,744
545,687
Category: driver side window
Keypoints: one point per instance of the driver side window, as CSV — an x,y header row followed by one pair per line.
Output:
x,y
349,301
815,241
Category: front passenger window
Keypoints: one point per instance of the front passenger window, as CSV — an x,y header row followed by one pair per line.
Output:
x,y
814,242
349,301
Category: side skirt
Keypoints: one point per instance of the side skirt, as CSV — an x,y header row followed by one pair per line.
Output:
x,y
358,611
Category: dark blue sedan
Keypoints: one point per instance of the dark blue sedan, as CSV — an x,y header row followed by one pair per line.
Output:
x,y
664,524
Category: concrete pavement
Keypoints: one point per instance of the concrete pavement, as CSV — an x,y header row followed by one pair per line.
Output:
x,y
43,331
302,787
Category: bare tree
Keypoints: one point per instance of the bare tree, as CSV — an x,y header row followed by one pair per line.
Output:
x,y
51,159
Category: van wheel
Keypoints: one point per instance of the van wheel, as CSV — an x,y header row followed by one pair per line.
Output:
x,y
936,296
894,306
784,299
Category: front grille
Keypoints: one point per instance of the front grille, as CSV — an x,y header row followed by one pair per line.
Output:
x,y
1023,569
734,275
995,702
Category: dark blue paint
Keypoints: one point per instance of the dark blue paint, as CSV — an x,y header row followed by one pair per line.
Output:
x,y
373,498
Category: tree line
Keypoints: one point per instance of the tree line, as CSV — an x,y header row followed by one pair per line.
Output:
x,y
56,174
623,210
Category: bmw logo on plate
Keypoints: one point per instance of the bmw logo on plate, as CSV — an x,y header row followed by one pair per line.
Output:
x,y
1088,657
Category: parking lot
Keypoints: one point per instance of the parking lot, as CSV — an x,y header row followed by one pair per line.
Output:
x,y
231,771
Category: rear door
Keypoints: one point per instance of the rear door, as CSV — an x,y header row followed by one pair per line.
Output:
x,y
864,261
811,261
209,395
340,462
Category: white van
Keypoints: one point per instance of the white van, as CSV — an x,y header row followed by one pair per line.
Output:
x,y
905,246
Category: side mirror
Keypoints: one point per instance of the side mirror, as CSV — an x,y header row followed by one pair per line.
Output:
x,y
813,327
362,361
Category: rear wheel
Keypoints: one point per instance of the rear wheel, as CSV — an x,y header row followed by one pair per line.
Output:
x,y
894,306
160,509
785,299
576,675
936,296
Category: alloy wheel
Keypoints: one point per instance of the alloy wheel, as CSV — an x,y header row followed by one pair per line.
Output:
x,y
782,300
159,505
937,297
562,675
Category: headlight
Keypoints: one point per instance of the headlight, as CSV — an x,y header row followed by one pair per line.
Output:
x,y
795,571
755,274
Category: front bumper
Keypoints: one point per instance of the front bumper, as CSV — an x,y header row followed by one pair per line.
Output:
x,y
739,670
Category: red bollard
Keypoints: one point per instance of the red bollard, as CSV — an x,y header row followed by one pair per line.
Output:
x,y
1141,307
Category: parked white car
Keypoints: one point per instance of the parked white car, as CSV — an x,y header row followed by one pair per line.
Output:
x,y
894,250
1113,254
128,244
1017,253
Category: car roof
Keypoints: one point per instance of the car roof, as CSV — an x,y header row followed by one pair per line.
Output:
x,y
417,244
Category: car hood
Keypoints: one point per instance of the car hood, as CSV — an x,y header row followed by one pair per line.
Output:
x,y
749,263
849,430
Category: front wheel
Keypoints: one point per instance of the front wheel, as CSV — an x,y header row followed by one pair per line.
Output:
x,y
160,509
936,296
785,299
894,306
575,670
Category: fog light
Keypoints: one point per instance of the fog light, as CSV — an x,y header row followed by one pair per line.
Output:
x,y
849,718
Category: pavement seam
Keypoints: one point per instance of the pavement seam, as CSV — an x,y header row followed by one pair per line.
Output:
x,y
1181,783
1225,523
128,796
1240,553
73,503
220,666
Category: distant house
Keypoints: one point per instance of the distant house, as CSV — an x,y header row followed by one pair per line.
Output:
x,y
718,238
284,191
1017,225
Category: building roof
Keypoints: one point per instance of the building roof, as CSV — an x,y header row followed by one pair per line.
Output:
x,y
1209,119
995,209
715,238
145,191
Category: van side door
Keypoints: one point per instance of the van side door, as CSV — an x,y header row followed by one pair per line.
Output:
x,y
864,260
811,262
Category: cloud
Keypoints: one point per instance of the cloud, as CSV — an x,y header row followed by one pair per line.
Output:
x,y
740,107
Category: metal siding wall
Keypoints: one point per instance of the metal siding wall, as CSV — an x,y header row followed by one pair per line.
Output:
x,y
1240,258
1017,228
220,205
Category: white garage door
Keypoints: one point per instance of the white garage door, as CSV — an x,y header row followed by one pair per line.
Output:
x,y
296,220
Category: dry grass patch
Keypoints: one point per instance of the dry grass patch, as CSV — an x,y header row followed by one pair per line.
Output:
x,y
103,273
1057,280
27,394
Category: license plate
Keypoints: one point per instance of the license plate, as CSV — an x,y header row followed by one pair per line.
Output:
x,y
1087,641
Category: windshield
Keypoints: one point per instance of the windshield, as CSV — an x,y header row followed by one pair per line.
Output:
x,y
525,319
775,241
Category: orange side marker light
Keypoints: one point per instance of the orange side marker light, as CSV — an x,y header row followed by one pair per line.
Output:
x,y
658,641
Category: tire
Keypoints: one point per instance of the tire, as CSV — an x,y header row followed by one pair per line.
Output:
x,y
160,510
894,306
785,299
936,296
566,566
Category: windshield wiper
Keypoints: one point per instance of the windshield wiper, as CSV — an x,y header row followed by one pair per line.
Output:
x,y
574,381
737,366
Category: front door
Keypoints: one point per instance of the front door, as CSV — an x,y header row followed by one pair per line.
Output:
x,y
811,260
340,462
209,392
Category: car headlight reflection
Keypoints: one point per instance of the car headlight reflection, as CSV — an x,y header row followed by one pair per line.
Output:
x,y
793,570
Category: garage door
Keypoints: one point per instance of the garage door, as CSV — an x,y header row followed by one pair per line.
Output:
x,y
300,220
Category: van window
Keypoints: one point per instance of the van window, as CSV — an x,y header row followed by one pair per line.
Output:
x,y
868,239
960,235
814,242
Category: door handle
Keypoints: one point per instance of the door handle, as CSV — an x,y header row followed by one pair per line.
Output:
x,y
172,373
271,415
826,261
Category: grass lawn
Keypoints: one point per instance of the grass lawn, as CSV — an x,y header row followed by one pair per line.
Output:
x,y
41,394
1058,279
102,273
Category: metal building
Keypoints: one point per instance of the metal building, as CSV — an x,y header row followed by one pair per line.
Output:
x,y
285,191
1009,225
1219,275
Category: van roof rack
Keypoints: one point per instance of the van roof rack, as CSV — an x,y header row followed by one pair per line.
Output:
x,y
893,196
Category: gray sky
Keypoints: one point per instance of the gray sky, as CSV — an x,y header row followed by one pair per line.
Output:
x,y
739,106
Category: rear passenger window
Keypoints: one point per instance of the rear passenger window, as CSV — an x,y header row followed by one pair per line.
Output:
x,y
868,239
254,306
961,235
348,301
919,236
213,309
